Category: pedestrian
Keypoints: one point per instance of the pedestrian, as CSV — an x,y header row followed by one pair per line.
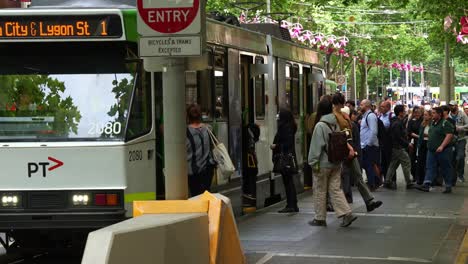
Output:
x,y
284,143
465,109
438,152
385,142
399,153
351,104
451,146
199,156
461,125
422,147
413,134
327,174
369,143
352,171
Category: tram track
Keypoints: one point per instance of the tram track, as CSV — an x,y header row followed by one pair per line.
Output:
x,y
39,258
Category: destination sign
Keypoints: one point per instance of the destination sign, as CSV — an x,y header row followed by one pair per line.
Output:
x,y
60,27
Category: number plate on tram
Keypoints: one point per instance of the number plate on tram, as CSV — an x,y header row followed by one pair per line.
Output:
x,y
60,27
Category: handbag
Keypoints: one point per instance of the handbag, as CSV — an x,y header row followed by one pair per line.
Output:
x,y
221,156
219,176
284,163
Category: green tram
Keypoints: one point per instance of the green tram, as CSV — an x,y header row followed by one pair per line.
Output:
x,y
81,120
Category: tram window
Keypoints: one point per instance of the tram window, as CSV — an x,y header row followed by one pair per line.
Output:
x,y
294,93
287,98
259,92
190,87
140,113
87,98
221,103
205,94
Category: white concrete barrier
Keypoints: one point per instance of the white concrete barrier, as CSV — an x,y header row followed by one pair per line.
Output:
x,y
151,238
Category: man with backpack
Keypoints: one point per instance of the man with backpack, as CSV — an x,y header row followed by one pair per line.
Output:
x,y
399,145
369,143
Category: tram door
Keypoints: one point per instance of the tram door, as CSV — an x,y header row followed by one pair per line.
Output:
x,y
249,161
308,110
159,125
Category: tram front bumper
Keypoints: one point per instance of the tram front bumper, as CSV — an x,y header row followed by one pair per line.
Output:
x,y
60,220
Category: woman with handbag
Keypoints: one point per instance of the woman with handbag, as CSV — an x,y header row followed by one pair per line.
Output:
x,y
284,157
199,155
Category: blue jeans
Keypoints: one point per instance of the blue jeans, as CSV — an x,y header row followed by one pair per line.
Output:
x,y
371,156
442,159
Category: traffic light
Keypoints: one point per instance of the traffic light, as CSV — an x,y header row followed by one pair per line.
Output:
x,y
390,93
379,91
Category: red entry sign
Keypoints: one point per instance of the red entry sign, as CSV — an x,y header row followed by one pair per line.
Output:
x,y
168,20
464,25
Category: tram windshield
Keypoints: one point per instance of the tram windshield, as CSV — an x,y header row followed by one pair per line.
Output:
x,y
83,99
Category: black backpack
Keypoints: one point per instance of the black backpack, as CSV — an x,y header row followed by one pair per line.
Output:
x,y
337,147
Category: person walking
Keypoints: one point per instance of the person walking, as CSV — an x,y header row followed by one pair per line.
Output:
x,y
422,147
440,136
351,167
461,125
284,144
385,143
369,143
199,156
327,177
413,134
399,154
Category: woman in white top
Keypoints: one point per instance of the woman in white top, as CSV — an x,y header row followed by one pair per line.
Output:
x,y
422,146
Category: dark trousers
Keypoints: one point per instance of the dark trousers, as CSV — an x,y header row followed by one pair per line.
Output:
x,y
346,181
414,160
386,156
421,164
459,161
442,159
200,182
370,157
290,189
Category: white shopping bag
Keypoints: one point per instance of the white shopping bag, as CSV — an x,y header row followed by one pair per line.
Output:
x,y
222,158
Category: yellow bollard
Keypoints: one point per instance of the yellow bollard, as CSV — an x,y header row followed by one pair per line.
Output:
x,y
225,246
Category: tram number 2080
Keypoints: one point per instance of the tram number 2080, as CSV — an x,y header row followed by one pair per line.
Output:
x,y
107,128
135,155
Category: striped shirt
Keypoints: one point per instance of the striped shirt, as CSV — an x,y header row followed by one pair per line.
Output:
x,y
199,156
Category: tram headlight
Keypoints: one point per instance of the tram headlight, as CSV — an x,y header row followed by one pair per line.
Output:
x,y
80,199
10,200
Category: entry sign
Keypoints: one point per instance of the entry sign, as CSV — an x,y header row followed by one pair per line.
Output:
x,y
170,27
161,17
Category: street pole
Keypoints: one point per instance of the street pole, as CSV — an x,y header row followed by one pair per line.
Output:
x,y
445,87
423,86
354,80
365,77
268,11
175,154
391,77
407,83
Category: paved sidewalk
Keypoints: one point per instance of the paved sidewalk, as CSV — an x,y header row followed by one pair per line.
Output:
x,y
410,227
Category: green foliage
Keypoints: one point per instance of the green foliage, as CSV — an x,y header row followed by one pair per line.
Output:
x,y
19,92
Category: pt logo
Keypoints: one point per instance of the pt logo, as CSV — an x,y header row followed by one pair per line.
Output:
x,y
34,167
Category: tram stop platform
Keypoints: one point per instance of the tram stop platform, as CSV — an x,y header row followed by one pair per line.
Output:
x,y
410,227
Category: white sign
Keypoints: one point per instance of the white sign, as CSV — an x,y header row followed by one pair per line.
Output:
x,y
170,46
